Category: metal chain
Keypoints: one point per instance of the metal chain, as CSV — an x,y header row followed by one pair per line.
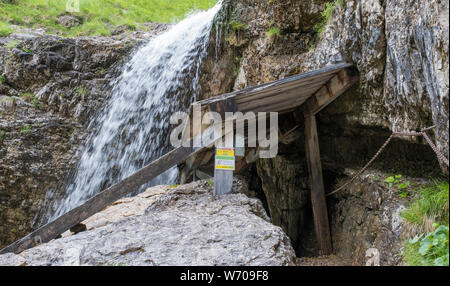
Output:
x,y
396,134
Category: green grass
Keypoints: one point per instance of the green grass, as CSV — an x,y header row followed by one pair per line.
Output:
x,y
237,26
31,98
326,15
273,33
429,215
98,16
5,29
25,129
430,206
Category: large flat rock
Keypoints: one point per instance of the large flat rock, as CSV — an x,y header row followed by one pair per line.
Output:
x,y
185,225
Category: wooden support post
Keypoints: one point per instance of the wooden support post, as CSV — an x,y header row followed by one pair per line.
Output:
x,y
319,204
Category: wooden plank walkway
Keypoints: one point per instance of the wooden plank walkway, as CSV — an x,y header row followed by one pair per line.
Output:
x,y
310,91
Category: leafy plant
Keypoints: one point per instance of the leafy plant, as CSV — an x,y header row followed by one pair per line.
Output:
x,y
210,182
25,129
397,182
433,249
2,79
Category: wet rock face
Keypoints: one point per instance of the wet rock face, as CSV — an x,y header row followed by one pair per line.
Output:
x,y
400,49
50,87
186,225
287,193
367,215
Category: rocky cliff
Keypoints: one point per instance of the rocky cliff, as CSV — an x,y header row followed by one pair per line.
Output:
x,y
400,49
49,87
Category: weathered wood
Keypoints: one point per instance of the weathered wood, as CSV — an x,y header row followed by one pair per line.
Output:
x,y
227,105
101,200
337,85
273,87
319,204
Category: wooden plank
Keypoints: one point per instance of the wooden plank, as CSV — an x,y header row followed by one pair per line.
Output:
x,y
287,97
319,204
298,85
271,86
227,105
331,90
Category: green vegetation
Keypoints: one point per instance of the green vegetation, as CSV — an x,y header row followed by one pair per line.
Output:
x,y
12,44
326,15
97,17
31,98
2,79
431,205
210,182
431,250
273,33
81,91
238,26
397,182
429,213
5,29
25,129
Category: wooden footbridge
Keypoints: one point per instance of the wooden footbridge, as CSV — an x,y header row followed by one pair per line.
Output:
x,y
310,92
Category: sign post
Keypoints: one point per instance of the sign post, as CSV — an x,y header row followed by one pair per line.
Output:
x,y
223,171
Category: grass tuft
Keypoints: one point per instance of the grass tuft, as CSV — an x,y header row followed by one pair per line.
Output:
x,y
431,205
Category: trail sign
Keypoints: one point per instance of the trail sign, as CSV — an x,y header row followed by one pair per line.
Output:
x,y
225,159
223,171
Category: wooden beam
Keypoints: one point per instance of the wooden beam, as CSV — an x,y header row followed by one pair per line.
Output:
x,y
331,90
319,204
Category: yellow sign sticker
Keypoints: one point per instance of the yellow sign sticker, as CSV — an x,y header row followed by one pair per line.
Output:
x,y
225,159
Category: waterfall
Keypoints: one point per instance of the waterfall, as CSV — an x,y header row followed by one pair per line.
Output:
x,y
162,77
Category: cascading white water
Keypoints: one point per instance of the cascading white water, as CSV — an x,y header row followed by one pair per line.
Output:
x,y
161,78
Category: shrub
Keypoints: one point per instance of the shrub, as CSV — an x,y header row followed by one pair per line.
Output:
x,y
431,250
